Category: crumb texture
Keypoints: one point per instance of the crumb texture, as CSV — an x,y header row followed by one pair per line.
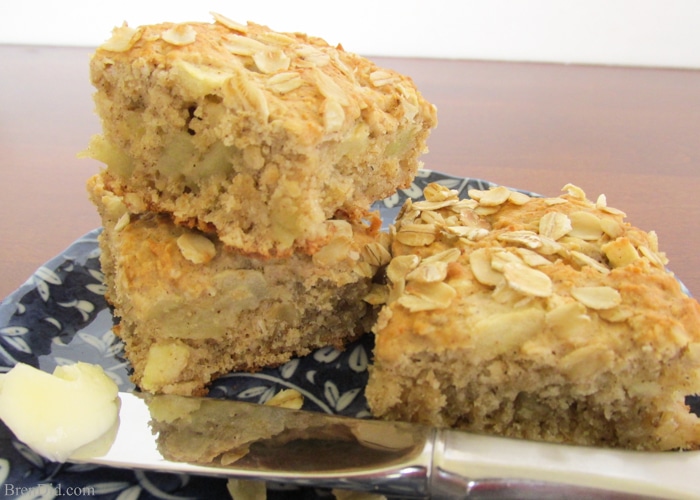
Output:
x,y
542,318
191,309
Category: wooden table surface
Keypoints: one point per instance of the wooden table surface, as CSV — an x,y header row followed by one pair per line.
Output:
x,y
633,134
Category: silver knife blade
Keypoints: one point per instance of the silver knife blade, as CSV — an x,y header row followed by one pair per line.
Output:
x,y
223,438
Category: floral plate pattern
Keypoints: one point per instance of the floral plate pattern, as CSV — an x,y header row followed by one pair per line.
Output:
x,y
60,316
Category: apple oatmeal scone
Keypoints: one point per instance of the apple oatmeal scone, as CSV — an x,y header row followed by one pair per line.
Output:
x,y
254,135
542,318
190,309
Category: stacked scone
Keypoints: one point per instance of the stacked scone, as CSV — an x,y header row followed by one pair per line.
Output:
x,y
542,318
240,167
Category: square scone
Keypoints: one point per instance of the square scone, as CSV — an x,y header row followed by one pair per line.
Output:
x,y
190,309
254,135
540,318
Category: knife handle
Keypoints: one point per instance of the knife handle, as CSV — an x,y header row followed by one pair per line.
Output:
x,y
507,489
476,466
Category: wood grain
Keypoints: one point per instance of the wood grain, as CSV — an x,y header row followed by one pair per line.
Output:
x,y
633,134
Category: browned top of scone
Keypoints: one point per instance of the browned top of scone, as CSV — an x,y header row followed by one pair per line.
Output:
x,y
563,280
300,80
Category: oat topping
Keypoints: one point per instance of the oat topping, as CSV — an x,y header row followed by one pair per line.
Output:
x,y
427,296
484,272
437,192
417,234
284,82
597,297
574,192
180,34
555,225
380,78
376,254
527,280
249,96
428,272
518,198
585,260
400,266
514,258
491,198
279,39
229,23
243,45
528,239
313,57
123,38
329,88
585,225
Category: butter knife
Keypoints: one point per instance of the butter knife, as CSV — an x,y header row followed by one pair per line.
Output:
x,y
230,439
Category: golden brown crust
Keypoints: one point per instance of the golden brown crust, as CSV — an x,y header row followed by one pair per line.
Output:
x,y
261,135
547,319
191,309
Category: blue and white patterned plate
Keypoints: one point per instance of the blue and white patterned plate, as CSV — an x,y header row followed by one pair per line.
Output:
x,y
60,316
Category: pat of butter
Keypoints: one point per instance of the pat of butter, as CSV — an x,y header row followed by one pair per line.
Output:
x,y
57,414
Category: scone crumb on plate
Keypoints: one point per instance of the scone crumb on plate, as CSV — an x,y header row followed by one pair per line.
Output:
x,y
287,398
